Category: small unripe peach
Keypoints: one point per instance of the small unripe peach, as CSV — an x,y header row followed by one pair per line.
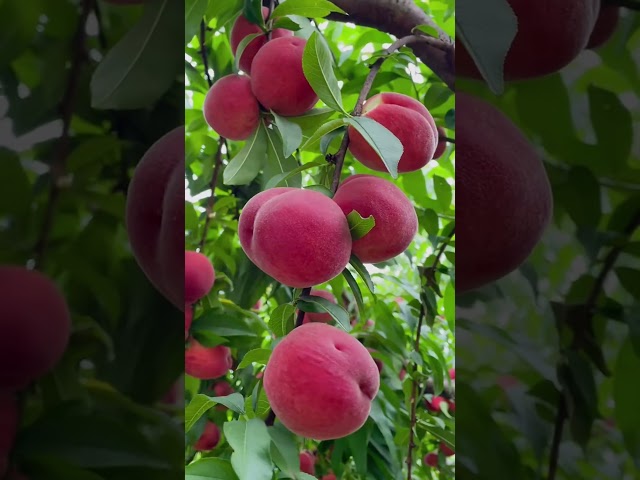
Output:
x,y
307,462
277,78
209,439
207,363
231,109
35,326
199,276
320,317
405,117
243,28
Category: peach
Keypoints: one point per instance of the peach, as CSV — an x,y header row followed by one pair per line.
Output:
x,y
277,79
320,317
503,196
446,449
395,217
207,363
35,326
369,325
452,407
605,26
9,420
407,119
435,403
188,318
299,237
222,389
199,276
320,382
329,476
452,373
442,143
551,33
242,28
231,109
307,462
402,374
155,215
377,361
430,459
209,439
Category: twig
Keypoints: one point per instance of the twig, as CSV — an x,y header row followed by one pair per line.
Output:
x,y
212,199
414,400
203,52
607,266
449,140
58,166
339,157
300,317
443,247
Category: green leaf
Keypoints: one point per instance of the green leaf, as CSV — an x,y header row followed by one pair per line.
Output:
x,y
359,226
277,164
630,280
18,22
194,10
241,47
383,142
321,189
257,355
315,304
246,165
250,441
627,399
427,29
322,131
311,121
306,8
281,321
15,191
437,95
290,132
278,179
473,21
201,403
580,195
142,66
317,64
359,267
355,289
326,140
252,11
210,468
284,450
443,192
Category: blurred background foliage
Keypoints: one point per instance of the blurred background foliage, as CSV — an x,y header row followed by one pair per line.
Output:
x,y
238,310
70,137
514,337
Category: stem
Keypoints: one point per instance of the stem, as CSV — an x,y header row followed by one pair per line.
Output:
x,y
413,402
561,416
58,166
212,199
449,140
272,5
339,157
300,317
203,52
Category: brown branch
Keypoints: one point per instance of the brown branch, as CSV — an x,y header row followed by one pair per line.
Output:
x,y
203,52
339,157
399,18
58,165
212,199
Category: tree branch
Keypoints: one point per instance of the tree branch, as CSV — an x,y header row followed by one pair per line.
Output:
x,y
203,51
414,392
214,180
339,156
58,165
399,18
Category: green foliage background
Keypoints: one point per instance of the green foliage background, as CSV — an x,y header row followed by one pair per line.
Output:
x,y
230,315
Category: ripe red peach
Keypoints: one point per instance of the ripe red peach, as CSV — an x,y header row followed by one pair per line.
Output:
x,y
222,389
320,382
277,79
329,476
551,33
430,459
231,109
209,439
35,326
378,362
452,373
155,215
395,217
442,143
503,195
605,26
407,119
199,276
435,403
188,319
299,237
307,462
320,317
446,449
242,28
207,363
9,420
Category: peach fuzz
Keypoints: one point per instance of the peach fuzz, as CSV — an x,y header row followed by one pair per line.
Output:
x,y
243,28
320,317
307,462
407,119
206,363
231,109
209,439
286,94
199,276
299,237
396,219
155,215
35,326
320,382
